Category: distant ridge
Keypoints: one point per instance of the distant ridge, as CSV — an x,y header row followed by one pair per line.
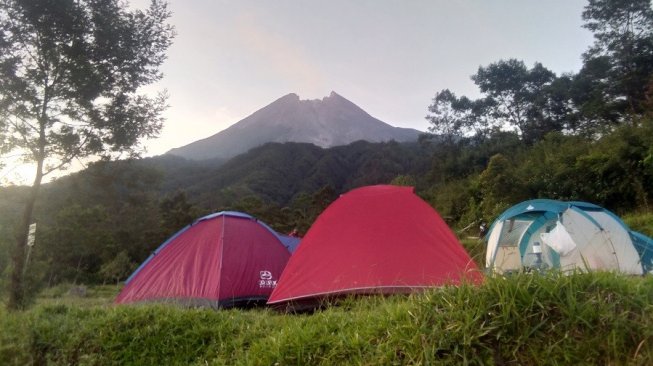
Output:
x,y
330,121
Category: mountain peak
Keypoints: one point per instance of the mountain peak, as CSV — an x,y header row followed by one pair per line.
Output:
x,y
334,95
330,121
296,97
290,97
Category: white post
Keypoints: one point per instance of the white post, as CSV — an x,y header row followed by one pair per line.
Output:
x,y
31,239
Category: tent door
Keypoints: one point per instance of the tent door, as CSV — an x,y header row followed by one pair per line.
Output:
x,y
507,259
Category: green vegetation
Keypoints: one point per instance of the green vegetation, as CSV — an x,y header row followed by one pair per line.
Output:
x,y
641,222
532,134
72,76
481,177
598,318
476,250
85,220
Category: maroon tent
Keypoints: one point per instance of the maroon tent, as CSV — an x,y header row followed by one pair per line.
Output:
x,y
376,239
221,260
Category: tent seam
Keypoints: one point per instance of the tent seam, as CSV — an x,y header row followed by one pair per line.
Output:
x,y
221,243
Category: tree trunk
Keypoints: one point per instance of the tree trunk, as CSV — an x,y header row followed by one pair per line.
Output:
x,y
16,285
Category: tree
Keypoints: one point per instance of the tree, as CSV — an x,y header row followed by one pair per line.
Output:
x,y
305,208
176,213
404,180
70,76
80,239
516,96
117,269
531,101
621,58
589,92
451,116
615,169
499,186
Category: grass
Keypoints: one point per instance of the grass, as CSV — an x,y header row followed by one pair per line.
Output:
x,y
476,250
81,296
597,318
642,222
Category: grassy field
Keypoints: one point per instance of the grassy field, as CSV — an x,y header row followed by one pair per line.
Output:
x,y
590,319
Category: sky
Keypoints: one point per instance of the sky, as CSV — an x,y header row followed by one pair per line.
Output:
x,y
390,57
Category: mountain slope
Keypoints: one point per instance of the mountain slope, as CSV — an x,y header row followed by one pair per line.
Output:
x,y
278,172
331,121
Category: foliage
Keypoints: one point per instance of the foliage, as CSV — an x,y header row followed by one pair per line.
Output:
x,y
531,101
597,318
279,172
641,222
549,168
532,134
615,171
73,243
499,185
515,96
70,74
305,209
467,180
454,117
468,156
89,217
454,201
623,45
94,210
611,171
119,268
404,180
176,213
475,247
613,87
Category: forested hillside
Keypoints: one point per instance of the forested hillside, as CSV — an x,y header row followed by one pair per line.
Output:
x,y
129,207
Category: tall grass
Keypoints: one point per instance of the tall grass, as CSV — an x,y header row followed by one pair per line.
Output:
x,y
476,250
642,222
598,318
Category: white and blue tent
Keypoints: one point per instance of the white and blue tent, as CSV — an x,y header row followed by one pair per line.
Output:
x,y
545,233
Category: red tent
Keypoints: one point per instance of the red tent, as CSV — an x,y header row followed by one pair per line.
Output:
x,y
221,260
376,239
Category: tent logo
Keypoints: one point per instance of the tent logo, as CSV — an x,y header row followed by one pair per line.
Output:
x,y
265,280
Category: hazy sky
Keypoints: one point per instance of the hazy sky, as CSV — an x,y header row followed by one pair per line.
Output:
x,y
389,57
